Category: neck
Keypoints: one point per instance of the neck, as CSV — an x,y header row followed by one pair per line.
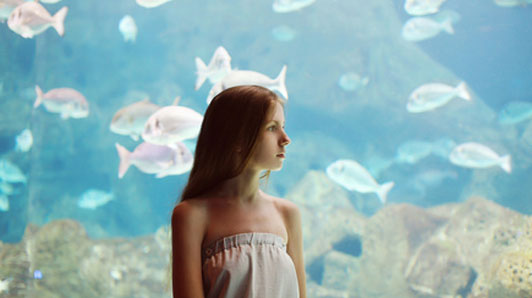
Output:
x,y
241,189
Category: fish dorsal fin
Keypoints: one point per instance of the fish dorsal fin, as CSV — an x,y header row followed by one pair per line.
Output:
x,y
176,100
146,99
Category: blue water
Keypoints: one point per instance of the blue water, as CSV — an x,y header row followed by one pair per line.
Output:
x,y
490,51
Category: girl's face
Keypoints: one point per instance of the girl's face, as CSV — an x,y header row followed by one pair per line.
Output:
x,y
270,151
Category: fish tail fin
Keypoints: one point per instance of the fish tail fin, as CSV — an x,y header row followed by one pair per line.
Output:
x,y
38,100
447,26
59,19
383,190
201,69
124,160
506,163
461,91
280,80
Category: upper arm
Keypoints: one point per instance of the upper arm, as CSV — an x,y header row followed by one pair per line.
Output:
x,y
294,246
188,227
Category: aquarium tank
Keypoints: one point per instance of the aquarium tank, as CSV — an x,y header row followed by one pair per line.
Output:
x,y
410,123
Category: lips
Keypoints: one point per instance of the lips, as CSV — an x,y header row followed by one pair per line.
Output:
x,y
280,155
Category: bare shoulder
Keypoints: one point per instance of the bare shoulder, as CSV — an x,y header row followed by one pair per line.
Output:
x,y
189,213
289,211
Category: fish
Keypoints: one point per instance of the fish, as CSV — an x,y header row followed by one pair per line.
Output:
x,y
248,77
7,6
130,120
31,18
284,33
512,3
354,177
433,95
128,28
475,155
352,81
219,67
4,206
421,28
413,151
68,102
94,198
151,3
50,1
515,112
422,7
24,141
284,6
155,159
172,124
9,172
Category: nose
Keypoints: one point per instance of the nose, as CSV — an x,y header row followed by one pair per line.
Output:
x,y
285,140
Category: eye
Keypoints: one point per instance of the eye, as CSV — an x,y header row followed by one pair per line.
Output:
x,y
272,128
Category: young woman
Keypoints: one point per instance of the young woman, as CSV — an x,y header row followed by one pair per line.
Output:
x,y
229,238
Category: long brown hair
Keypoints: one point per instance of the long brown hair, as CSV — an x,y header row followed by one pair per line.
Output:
x,y
229,132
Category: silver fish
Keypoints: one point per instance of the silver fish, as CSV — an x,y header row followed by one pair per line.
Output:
x,y
219,67
172,124
248,77
10,172
475,155
420,28
354,177
422,7
433,95
94,198
130,120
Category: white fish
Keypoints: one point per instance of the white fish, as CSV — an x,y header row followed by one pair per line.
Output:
x,y
284,33
420,28
128,28
130,120
219,67
10,172
24,141
7,6
515,112
49,1
512,3
248,77
172,124
352,81
433,95
151,3
4,205
94,198
31,18
475,155
422,7
283,6
65,101
351,175
155,159
413,151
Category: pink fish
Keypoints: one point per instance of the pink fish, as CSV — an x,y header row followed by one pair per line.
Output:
x,y
155,159
31,18
65,101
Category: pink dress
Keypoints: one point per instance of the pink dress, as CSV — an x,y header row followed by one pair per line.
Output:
x,y
249,265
